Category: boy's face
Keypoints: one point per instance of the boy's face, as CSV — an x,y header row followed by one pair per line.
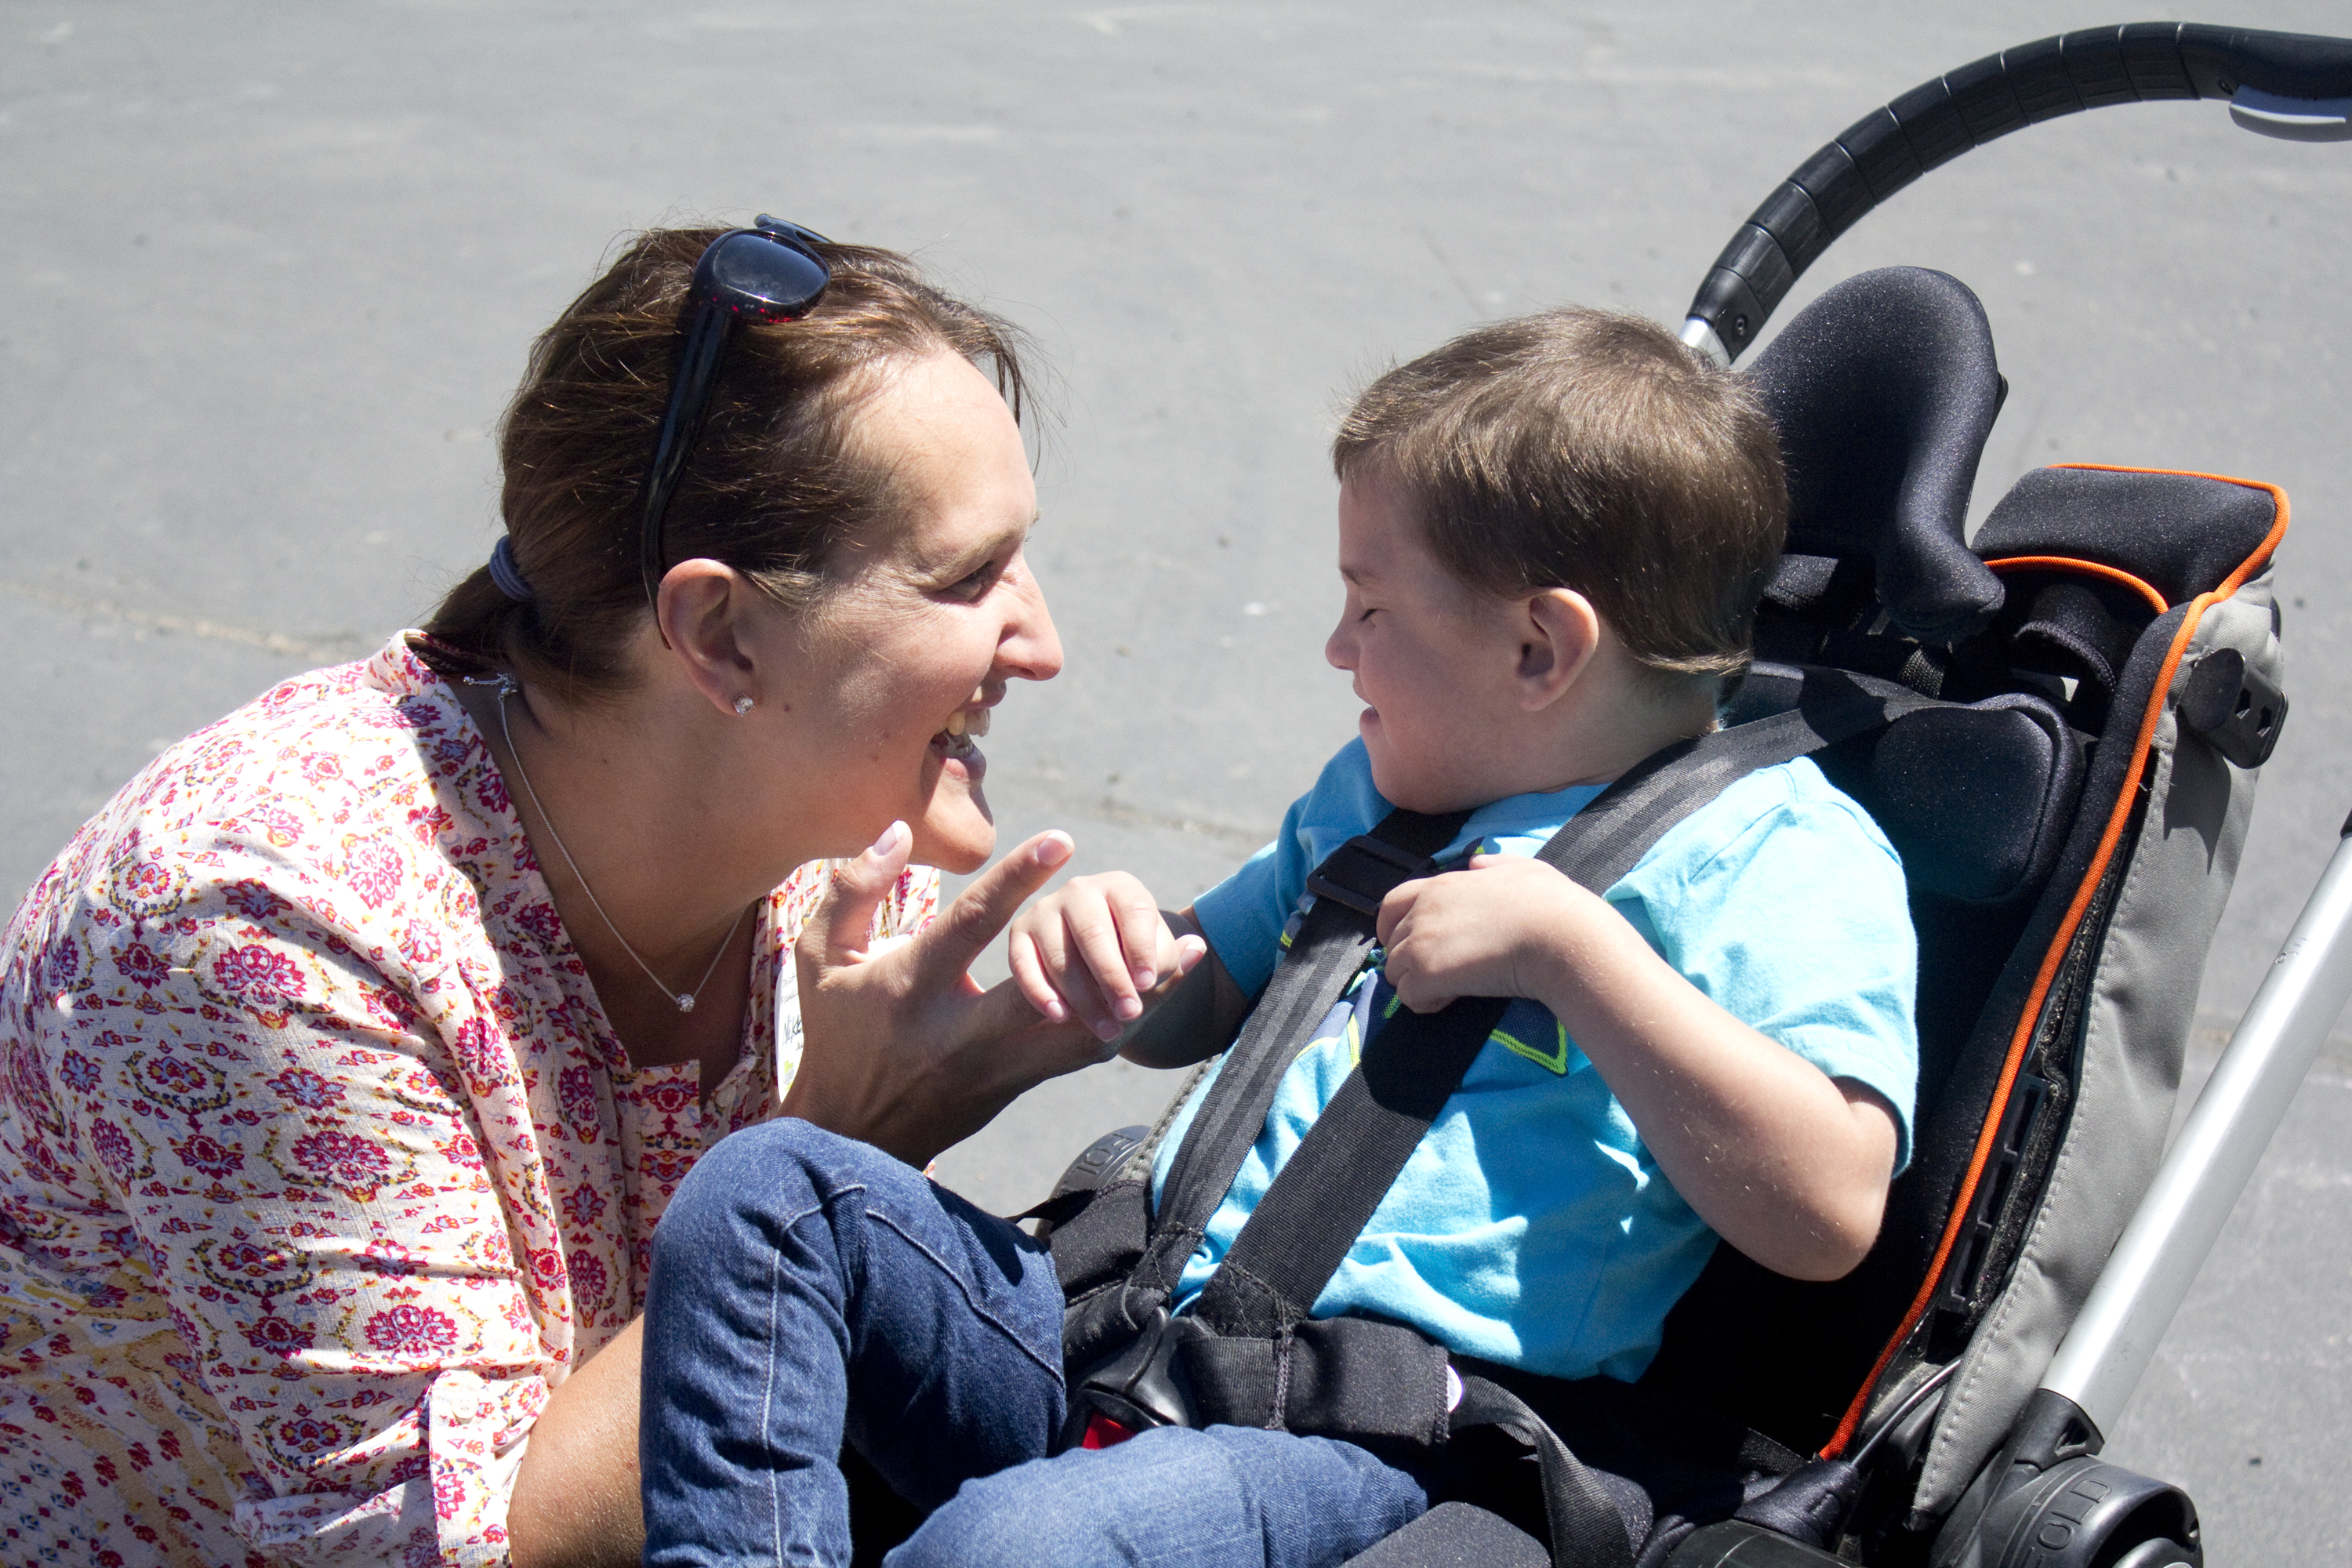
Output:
x,y
1435,660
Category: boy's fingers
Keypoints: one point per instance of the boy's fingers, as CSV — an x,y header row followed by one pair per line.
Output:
x,y
1066,971
1099,950
1414,989
837,929
1395,907
1141,933
959,935
1029,974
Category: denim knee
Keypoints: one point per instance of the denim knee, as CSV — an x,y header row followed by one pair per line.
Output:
x,y
1173,1498
762,1179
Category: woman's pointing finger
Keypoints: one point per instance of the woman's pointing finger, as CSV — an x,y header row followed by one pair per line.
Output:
x,y
944,953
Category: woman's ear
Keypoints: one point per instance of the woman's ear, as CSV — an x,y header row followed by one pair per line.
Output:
x,y
1560,633
703,607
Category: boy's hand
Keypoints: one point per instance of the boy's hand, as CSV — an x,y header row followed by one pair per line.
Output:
x,y
1786,1164
1096,949
1492,931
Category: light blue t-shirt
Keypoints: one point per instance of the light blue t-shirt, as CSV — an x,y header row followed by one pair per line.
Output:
x,y
1532,1227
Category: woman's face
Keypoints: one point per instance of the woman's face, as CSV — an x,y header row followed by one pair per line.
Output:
x,y
896,670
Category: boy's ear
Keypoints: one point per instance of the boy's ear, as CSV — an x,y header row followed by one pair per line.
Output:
x,y
1560,634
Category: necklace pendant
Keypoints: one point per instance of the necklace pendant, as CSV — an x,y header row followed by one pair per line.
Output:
x,y
685,1000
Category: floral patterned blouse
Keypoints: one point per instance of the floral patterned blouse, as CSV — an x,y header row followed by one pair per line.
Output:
x,y
319,1164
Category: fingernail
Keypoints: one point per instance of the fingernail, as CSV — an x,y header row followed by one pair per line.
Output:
x,y
888,841
1106,1031
1145,979
1055,1012
1129,1008
1056,848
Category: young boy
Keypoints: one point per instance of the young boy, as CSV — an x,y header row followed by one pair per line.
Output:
x,y
1553,535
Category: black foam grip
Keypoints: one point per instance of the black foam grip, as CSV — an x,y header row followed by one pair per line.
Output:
x,y
1937,121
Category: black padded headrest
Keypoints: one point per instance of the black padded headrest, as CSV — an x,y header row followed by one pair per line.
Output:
x,y
1883,390
2181,534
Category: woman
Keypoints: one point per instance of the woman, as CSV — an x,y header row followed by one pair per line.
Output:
x,y
353,1050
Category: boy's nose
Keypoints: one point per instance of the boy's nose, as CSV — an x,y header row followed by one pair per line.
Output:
x,y
1339,647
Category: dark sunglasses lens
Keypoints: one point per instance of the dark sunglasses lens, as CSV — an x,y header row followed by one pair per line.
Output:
x,y
753,275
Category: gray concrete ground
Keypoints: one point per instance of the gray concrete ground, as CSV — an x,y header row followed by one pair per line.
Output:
x,y
267,274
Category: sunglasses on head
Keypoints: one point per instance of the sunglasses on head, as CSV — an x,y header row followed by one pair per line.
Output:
x,y
769,272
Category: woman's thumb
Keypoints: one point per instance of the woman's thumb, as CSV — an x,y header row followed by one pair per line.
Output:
x,y
839,928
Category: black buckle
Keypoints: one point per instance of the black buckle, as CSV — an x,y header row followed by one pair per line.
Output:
x,y
1360,873
1138,1387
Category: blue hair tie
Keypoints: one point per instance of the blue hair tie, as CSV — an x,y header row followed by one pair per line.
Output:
x,y
506,574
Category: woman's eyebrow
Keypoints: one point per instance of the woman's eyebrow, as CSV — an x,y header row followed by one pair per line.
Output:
x,y
965,560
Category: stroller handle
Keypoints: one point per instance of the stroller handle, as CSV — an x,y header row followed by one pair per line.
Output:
x,y
2291,85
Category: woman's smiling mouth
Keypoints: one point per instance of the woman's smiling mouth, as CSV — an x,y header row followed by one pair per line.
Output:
x,y
954,743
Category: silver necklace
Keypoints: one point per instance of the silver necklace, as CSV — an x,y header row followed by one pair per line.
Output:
x,y
685,999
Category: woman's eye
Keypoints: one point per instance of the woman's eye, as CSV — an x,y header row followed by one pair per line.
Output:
x,y
976,584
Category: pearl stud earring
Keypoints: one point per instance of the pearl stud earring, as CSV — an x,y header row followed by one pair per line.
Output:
x,y
744,705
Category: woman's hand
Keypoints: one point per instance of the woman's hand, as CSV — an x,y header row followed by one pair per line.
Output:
x,y
901,1049
1095,949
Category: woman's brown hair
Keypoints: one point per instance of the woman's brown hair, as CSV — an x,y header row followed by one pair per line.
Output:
x,y
1584,449
773,485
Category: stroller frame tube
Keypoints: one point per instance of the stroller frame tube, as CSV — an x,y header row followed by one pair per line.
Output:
x,y
2278,84
2115,1335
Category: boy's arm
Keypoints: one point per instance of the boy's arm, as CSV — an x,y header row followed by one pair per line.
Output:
x,y
1195,1020
1786,1164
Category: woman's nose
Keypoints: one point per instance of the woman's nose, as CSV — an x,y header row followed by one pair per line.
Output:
x,y
1030,648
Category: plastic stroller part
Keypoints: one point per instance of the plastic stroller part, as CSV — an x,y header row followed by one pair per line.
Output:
x,y
2044,1502
1735,1543
2279,84
2100,1361
2072,1516
1096,1164
2291,119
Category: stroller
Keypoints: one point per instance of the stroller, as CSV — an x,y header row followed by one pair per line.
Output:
x,y
2072,707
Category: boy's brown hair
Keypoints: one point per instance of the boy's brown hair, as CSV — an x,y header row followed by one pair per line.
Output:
x,y
1584,449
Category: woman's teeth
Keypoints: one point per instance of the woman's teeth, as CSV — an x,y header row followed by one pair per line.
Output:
x,y
967,721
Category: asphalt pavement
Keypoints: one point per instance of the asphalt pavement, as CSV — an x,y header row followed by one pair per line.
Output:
x,y
268,272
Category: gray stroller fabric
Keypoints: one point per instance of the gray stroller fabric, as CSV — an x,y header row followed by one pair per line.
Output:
x,y
2143,999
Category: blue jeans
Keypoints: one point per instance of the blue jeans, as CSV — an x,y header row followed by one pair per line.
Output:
x,y
810,1291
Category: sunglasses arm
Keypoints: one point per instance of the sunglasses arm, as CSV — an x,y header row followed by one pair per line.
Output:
x,y
698,368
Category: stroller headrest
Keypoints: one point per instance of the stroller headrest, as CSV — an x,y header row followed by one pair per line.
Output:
x,y
1883,390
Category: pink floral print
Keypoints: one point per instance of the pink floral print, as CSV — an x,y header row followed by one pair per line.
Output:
x,y
320,1165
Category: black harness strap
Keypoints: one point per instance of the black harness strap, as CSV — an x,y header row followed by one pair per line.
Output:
x,y
1324,953
1294,1240
1587,1528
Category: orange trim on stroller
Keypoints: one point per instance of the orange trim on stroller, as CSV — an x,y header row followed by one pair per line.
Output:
x,y
2089,568
2065,934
